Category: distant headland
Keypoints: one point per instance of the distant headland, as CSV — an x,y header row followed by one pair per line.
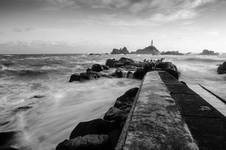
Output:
x,y
151,49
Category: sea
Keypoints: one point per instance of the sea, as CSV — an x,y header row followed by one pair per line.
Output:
x,y
38,102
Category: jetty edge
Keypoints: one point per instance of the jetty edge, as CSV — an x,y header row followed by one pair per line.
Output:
x,y
163,113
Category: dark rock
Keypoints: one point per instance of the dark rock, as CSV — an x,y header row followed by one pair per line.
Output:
x,y
125,101
126,61
89,75
120,63
149,67
222,68
132,92
139,73
105,67
97,68
208,52
97,126
148,50
113,138
164,65
87,142
183,83
7,137
174,73
115,114
110,63
118,73
74,77
120,51
22,108
38,96
129,74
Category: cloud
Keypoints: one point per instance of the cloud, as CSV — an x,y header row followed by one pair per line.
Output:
x,y
26,29
151,10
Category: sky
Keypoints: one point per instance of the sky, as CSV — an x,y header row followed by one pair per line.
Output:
x,y
84,26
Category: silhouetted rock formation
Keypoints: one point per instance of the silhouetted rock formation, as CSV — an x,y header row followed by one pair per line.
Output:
x,y
148,50
208,52
120,51
222,68
171,53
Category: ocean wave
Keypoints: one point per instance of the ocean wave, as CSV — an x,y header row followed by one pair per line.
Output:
x,y
205,60
24,72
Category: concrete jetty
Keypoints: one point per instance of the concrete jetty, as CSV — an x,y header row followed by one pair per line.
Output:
x,y
168,115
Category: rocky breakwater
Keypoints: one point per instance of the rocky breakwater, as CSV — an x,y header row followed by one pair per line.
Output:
x,y
222,68
125,68
103,133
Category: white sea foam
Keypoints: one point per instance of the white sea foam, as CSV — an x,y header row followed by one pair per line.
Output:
x,y
65,104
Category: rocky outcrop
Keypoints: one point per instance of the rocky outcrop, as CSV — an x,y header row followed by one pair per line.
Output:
x,y
222,68
93,73
101,134
99,68
125,68
147,50
120,51
122,62
84,76
208,52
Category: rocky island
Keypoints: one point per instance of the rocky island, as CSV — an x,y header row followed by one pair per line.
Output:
x,y
208,52
148,50
120,51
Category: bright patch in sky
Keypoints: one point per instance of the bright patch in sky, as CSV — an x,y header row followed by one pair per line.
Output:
x,y
78,26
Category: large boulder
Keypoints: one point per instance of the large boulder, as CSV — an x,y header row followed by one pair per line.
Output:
x,y
164,65
74,77
7,137
97,126
87,142
126,61
97,68
118,73
116,115
110,63
120,63
139,73
222,68
174,73
89,75
125,101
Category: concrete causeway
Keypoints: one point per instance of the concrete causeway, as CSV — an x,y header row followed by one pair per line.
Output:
x,y
168,115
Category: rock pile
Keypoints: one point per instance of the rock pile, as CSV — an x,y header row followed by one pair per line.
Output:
x,y
222,68
101,134
125,68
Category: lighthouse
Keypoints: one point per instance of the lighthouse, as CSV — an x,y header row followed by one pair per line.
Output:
x,y
151,42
